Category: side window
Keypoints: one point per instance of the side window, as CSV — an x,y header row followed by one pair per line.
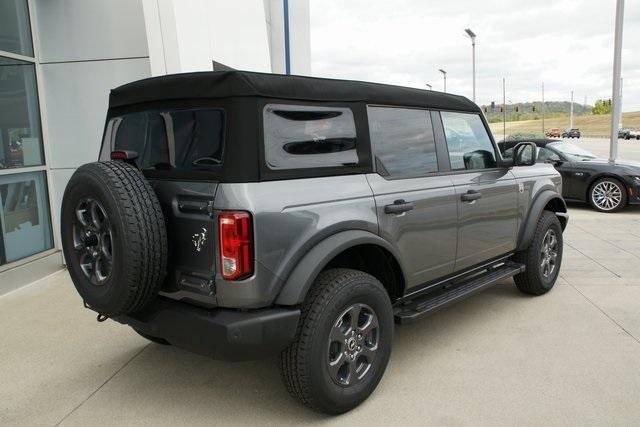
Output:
x,y
469,144
545,154
299,136
403,142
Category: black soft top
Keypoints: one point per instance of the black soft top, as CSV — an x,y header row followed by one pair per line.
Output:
x,y
225,84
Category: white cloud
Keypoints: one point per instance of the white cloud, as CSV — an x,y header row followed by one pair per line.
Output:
x,y
568,44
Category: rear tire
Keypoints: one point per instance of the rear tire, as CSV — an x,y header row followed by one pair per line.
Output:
x,y
543,257
343,342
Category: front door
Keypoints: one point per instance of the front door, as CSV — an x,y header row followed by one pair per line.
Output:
x,y
416,207
487,196
487,215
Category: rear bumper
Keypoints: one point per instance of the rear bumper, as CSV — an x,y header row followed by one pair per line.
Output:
x,y
221,333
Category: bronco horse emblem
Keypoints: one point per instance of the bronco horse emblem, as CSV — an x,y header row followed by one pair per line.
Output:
x,y
199,239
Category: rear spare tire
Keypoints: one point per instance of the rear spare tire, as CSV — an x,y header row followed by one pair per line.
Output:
x,y
113,237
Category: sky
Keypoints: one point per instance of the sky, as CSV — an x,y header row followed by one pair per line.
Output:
x,y
568,44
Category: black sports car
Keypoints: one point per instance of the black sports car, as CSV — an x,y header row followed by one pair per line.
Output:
x,y
608,187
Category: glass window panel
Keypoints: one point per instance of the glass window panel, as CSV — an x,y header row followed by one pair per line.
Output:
x,y
25,227
20,135
468,141
15,28
299,136
403,141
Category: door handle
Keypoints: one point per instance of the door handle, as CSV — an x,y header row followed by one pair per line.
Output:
x,y
399,206
471,196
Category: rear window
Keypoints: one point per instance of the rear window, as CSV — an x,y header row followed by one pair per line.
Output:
x,y
298,137
170,139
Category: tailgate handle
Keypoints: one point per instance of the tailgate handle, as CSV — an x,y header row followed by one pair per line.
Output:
x,y
197,207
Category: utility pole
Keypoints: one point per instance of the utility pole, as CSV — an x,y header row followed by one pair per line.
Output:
x,y
543,107
444,75
504,111
472,36
616,112
571,113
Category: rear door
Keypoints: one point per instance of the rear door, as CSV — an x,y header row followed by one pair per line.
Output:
x,y
416,207
174,147
486,195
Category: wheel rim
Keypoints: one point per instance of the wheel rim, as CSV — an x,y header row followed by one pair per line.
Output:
x,y
353,343
606,195
549,254
93,241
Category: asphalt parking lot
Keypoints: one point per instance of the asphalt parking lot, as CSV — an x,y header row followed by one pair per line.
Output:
x,y
569,357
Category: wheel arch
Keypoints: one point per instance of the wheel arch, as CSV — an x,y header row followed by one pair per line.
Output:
x,y
357,249
547,200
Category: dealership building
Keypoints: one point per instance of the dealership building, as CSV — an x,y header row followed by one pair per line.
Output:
x,y
60,58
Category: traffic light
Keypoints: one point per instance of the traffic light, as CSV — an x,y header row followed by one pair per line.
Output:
x,y
502,109
517,109
533,108
486,109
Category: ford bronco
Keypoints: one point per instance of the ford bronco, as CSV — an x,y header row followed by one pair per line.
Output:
x,y
240,215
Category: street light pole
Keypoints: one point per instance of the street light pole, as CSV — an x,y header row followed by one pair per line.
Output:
x,y
617,63
571,113
428,85
504,110
444,75
472,35
543,108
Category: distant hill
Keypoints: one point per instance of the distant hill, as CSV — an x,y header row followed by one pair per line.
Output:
x,y
593,125
525,110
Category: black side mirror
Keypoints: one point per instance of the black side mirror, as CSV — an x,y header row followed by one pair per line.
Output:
x,y
524,154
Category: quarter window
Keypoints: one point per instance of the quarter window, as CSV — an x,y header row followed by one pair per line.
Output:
x,y
468,141
297,136
403,142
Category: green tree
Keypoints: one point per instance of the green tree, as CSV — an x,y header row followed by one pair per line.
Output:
x,y
602,106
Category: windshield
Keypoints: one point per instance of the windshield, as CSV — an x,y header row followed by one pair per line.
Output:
x,y
572,152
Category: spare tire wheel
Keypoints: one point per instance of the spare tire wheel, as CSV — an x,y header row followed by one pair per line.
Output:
x,y
113,237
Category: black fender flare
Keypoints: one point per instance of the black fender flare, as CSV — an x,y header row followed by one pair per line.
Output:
x,y
528,226
301,279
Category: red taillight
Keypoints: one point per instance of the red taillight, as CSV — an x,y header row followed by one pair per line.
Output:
x,y
235,231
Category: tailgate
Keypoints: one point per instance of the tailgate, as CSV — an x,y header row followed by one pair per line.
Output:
x,y
191,234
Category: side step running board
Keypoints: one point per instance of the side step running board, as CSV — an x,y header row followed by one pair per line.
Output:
x,y
427,304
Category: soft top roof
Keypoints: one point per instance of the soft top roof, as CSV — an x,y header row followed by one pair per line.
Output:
x,y
224,84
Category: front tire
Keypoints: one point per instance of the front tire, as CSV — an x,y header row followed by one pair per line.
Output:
x,y
608,195
543,257
343,342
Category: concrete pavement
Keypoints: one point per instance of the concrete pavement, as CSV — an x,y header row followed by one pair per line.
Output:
x,y
569,357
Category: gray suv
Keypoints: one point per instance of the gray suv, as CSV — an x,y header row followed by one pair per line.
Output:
x,y
240,215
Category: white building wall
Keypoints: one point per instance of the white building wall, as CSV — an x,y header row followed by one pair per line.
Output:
x,y
299,36
84,48
188,35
